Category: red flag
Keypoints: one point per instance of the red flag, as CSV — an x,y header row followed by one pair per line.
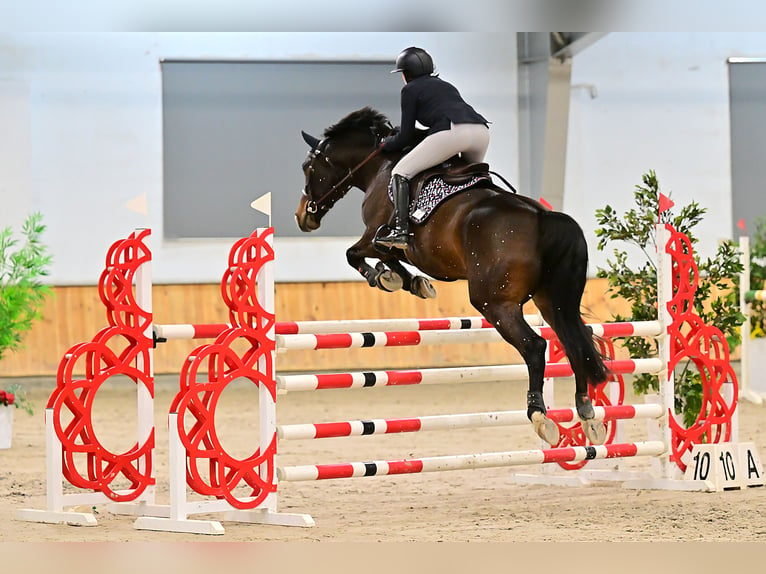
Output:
x,y
665,203
741,224
546,204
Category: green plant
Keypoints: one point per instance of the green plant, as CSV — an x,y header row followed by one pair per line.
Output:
x,y
21,292
638,285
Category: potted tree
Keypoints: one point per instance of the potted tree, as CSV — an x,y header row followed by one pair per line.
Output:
x,y
22,265
636,282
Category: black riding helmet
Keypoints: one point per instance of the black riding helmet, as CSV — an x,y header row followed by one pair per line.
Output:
x,y
414,62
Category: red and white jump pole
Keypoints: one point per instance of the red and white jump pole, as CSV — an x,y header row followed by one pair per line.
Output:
x,y
446,375
459,421
469,461
444,337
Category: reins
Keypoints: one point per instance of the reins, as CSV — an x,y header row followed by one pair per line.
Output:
x,y
505,181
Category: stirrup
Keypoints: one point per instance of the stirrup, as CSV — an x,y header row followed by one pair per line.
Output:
x,y
395,238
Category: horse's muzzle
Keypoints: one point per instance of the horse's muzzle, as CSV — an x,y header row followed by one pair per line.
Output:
x,y
306,220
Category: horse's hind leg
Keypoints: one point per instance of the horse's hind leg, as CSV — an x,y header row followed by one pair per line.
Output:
x,y
508,318
594,430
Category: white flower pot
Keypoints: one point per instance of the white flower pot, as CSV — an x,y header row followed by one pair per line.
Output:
x,y
757,359
6,425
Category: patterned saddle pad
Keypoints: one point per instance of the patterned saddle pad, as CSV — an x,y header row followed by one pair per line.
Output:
x,y
434,191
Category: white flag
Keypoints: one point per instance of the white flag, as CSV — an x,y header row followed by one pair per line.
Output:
x,y
263,204
138,204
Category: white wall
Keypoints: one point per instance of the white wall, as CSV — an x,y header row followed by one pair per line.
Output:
x,y
86,135
662,103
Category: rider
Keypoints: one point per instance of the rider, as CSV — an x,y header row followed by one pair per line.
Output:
x,y
453,127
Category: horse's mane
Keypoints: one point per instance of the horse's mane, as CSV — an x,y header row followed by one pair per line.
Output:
x,y
365,120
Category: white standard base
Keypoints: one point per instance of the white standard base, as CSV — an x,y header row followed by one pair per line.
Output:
x,y
57,517
266,516
183,525
214,527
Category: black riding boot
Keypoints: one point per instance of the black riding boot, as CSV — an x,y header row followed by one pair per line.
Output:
x,y
400,236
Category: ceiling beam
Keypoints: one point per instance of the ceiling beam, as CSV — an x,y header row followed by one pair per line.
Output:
x,y
544,69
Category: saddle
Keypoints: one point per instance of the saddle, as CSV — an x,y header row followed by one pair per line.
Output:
x,y
454,171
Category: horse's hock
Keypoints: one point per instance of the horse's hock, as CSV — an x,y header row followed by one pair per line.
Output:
x,y
246,489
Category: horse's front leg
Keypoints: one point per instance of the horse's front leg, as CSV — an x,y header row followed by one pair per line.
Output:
x,y
379,276
595,430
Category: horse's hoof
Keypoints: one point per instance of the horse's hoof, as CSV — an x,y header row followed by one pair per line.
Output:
x,y
389,281
545,428
422,288
595,431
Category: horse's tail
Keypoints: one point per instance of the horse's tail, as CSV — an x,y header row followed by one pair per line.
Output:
x,y
565,267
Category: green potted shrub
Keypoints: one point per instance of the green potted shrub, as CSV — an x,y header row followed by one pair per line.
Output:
x,y
22,265
637,284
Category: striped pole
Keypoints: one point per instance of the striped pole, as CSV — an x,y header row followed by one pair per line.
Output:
x,y
212,330
458,421
164,333
359,325
443,336
490,373
468,461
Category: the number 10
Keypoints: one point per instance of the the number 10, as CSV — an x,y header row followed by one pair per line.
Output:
x,y
727,462
701,465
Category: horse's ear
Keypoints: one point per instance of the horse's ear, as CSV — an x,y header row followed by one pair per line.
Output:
x,y
311,140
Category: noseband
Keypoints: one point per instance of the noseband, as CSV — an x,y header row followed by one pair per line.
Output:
x,y
338,190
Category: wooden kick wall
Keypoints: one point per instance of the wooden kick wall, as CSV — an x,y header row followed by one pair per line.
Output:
x,y
74,314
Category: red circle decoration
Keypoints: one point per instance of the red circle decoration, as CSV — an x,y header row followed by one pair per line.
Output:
x,y
115,286
196,401
239,283
121,349
706,347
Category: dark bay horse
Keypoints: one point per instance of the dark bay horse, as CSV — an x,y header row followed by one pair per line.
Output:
x,y
509,248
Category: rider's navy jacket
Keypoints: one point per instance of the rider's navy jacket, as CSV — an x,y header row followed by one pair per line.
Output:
x,y
434,103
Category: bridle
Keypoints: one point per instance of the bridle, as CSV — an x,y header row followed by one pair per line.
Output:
x,y
340,189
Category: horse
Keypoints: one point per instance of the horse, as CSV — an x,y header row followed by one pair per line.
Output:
x,y
508,247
